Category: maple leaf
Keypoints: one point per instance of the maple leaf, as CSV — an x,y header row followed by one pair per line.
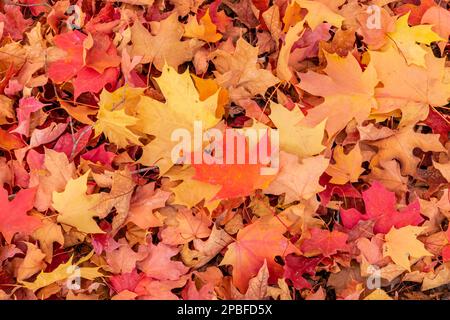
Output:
x,y
404,84
90,80
7,114
182,109
388,173
191,192
75,207
189,226
402,244
27,106
347,167
405,39
348,92
47,234
72,146
49,174
239,72
13,214
236,179
324,242
158,263
381,208
79,112
63,272
125,97
244,11
151,289
319,12
298,180
206,30
32,263
143,202
204,251
400,146
296,138
296,267
123,259
14,22
114,124
254,244
119,197
191,292
101,54
165,46
72,43
125,281
207,88
301,218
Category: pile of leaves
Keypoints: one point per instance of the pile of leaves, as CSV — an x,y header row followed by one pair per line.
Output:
x,y
92,207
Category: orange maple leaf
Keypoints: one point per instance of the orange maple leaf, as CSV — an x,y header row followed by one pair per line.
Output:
x,y
255,243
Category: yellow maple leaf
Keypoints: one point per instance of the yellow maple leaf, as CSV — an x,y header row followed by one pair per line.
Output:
x,y
75,207
347,167
401,244
296,138
63,272
205,30
406,39
114,123
318,13
183,108
125,97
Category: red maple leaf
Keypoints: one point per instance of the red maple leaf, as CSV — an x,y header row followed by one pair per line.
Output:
x,y
65,69
90,80
325,242
381,208
125,281
439,123
13,214
295,267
